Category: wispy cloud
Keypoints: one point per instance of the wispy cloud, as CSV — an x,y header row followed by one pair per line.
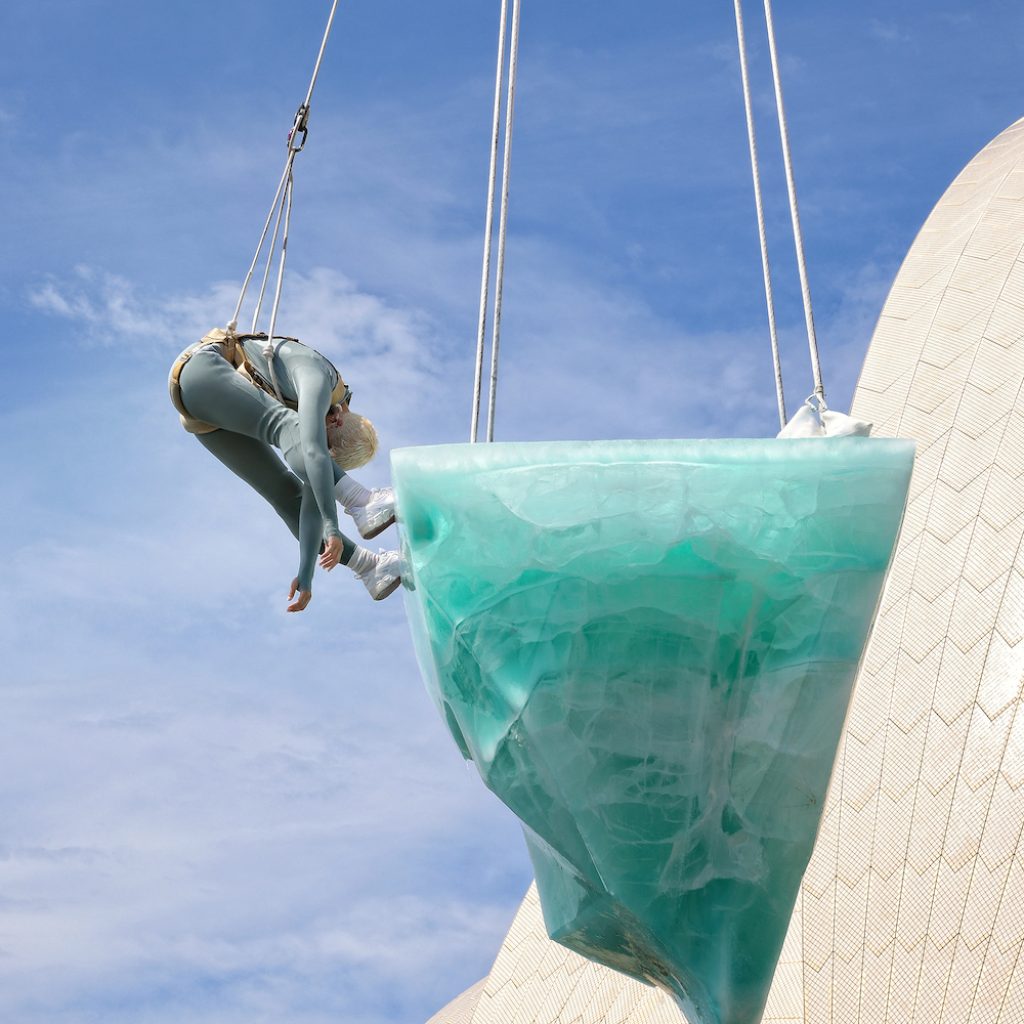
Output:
x,y
888,31
108,309
185,830
196,757
958,19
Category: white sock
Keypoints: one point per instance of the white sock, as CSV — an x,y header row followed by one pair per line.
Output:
x,y
350,493
362,561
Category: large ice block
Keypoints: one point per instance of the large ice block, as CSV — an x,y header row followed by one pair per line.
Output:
x,y
647,649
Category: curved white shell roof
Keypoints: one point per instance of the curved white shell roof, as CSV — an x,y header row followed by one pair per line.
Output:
x,y
913,903
912,908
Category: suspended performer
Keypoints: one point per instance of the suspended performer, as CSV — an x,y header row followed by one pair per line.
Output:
x,y
221,387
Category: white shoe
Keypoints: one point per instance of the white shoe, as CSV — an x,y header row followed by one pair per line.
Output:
x,y
383,577
376,515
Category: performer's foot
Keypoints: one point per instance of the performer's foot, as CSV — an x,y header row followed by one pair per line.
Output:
x,y
382,577
376,515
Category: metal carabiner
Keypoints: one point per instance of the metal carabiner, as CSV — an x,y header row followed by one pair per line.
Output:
x,y
299,126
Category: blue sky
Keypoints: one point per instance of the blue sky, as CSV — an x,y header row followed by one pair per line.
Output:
x,y
216,812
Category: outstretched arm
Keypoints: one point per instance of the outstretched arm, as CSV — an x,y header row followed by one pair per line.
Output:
x,y
309,545
310,535
314,392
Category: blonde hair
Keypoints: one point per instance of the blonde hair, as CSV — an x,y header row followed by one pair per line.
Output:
x,y
354,443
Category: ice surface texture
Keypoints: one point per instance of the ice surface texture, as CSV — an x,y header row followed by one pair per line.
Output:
x,y
647,649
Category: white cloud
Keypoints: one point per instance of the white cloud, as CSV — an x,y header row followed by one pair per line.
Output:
x,y
204,794
958,19
109,309
888,31
202,818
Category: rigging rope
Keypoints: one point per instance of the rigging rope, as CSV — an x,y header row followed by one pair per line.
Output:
x,y
269,350
812,341
485,274
513,61
266,270
758,202
259,247
819,390
282,204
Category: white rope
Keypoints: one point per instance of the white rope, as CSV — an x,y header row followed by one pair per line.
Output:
x,y
320,57
758,202
269,349
282,200
259,248
485,274
513,61
812,341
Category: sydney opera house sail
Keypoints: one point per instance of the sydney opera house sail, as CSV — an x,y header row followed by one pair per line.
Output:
x,y
911,910
912,904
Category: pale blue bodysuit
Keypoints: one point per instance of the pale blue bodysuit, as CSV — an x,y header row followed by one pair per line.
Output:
x,y
253,423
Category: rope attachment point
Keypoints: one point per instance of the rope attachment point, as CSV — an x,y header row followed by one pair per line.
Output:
x,y
299,126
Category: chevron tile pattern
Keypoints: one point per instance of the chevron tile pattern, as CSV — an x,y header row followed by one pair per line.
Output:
x,y
913,903
461,1009
535,981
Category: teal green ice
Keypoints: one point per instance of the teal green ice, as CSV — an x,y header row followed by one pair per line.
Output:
x,y
648,649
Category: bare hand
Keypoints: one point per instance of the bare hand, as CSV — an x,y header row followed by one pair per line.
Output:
x,y
305,596
330,554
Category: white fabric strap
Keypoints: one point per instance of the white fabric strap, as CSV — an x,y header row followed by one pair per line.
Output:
x,y
815,419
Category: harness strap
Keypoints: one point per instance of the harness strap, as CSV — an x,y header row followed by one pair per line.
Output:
x,y
247,368
233,351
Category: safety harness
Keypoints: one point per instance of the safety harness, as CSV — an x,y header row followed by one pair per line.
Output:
x,y
230,346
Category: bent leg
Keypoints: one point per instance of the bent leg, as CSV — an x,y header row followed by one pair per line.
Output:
x,y
258,465
214,392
